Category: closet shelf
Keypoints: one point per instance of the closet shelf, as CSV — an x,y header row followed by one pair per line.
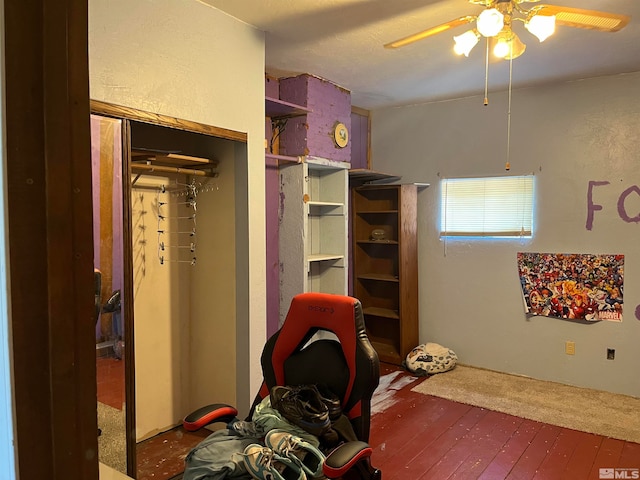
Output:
x,y
148,162
325,210
323,257
312,203
276,108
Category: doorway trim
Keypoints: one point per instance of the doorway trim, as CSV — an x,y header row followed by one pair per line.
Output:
x,y
50,238
128,114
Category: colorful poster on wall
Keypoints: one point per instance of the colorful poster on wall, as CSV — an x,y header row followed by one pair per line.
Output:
x,y
574,286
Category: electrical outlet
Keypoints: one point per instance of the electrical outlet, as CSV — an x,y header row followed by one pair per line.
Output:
x,y
611,353
570,347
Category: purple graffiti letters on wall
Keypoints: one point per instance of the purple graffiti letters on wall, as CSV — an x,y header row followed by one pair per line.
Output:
x,y
622,210
592,207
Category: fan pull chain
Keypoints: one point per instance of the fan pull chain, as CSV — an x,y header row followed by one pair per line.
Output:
x,y
486,75
507,165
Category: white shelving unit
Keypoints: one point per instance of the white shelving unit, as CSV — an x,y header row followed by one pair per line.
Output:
x,y
313,228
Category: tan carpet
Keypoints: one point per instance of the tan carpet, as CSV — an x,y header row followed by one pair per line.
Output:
x,y
587,410
112,450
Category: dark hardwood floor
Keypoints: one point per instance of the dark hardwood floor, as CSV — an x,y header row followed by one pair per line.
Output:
x,y
162,457
424,437
420,437
110,379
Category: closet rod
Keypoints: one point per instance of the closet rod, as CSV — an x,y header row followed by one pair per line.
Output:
x,y
161,168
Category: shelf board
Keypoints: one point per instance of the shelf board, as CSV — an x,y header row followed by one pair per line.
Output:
x,y
322,257
377,242
171,159
386,352
376,212
151,162
381,312
379,277
325,209
314,163
325,204
365,175
321,163
274,107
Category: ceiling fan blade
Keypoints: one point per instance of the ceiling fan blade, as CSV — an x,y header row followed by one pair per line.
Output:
x,y
491,3
580,18
431,31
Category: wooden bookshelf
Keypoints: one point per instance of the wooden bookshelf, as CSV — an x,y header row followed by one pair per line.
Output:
x,y
385,270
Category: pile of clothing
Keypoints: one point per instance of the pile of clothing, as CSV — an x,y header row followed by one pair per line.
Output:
x,y
287,438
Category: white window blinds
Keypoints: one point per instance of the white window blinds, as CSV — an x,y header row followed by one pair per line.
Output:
x,y
487,207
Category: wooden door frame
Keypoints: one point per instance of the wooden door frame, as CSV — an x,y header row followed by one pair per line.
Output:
x,y
50,239
127,115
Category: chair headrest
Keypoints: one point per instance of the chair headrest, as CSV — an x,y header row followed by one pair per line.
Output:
x,y
311,312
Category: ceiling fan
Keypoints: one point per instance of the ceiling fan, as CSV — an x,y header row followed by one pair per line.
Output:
x,y
496,20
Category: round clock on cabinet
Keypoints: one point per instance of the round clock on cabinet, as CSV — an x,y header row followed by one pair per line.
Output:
x,y
340,134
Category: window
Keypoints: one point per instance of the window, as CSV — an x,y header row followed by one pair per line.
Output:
x,y
487,207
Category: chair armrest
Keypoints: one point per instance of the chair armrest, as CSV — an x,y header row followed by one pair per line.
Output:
x,y
347,456
217,412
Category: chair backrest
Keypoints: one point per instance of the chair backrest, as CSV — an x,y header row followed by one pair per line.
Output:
x,y
302,352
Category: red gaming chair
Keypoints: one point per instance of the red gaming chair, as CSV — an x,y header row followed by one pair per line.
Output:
x,y
348,366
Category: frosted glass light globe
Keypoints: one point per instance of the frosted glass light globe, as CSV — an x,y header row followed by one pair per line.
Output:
x,y
490,22
541,26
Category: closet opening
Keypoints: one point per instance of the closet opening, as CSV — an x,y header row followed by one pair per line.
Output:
x,y
170,216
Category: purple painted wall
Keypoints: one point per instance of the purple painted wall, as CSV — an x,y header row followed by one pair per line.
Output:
x,y
359,141
312,134
273,261
271,218
271,87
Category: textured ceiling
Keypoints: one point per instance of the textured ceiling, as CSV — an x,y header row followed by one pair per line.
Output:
x,y
342,41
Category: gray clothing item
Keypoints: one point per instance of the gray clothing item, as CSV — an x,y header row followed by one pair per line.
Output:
x,y
267,418
217,457
220,455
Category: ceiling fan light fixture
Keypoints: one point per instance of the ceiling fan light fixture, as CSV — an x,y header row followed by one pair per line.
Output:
x,y
508,45
516,48
501,49
464,43
490,22
542,26
498,16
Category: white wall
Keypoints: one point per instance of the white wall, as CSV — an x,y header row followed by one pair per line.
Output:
x,y
188,60
212,285
568,135
163,319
